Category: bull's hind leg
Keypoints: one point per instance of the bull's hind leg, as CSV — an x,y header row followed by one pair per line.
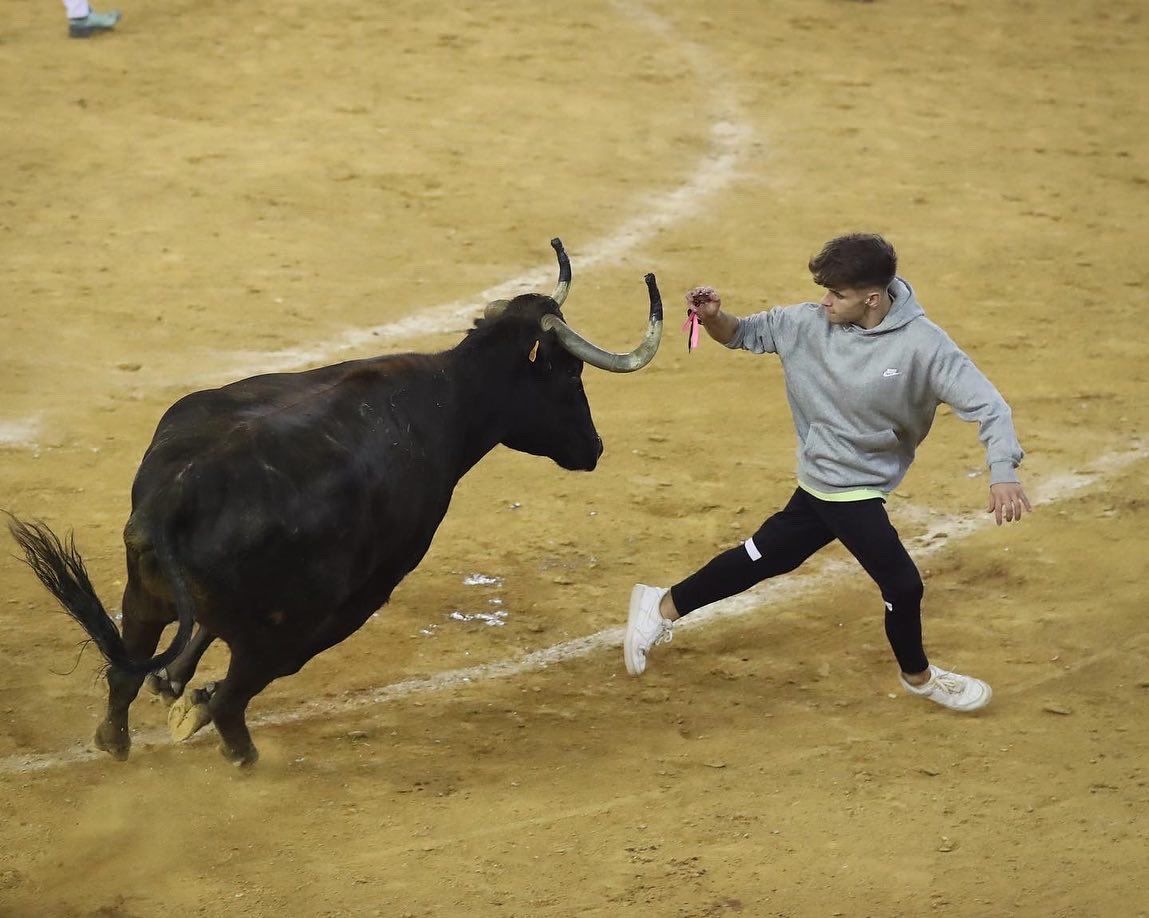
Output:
x,y
140,640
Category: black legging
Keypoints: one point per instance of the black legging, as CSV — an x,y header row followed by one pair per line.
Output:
x,y
806,525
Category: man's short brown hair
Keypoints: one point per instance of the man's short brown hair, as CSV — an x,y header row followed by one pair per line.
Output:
x,y
855,260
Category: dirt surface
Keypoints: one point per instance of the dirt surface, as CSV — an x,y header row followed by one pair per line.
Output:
x,y
221,189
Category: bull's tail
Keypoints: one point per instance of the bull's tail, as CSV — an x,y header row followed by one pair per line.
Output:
x,y
61,569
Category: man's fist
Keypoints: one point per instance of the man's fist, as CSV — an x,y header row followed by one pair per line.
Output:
x,y
705,301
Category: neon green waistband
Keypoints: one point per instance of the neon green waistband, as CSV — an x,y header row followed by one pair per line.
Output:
x,y
855,494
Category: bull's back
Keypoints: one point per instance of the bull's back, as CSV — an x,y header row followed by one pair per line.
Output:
x,y
291,490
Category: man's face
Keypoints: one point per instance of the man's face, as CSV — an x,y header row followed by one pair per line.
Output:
x,y
847,305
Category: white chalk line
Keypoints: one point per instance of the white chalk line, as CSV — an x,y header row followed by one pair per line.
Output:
x,y
21,433
944,531
729,135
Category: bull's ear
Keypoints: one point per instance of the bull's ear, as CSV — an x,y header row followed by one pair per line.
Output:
x,y
534,353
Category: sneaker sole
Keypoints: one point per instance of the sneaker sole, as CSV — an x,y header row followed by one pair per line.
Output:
x,y
964,709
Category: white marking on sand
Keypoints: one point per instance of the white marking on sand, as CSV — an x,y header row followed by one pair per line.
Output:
x,y
944,531
729,136
19,432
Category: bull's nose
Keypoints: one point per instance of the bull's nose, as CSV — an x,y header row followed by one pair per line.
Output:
x,y
600,446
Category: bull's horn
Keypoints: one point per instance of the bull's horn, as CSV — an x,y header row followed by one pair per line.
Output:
x,y
607,360
564,284
495,308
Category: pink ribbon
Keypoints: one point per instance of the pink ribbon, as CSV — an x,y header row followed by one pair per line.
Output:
x,y
691,326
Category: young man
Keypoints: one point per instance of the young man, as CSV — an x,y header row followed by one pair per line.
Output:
x,y
865,371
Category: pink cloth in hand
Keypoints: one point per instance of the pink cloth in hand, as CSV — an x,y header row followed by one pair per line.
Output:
x,y
691,327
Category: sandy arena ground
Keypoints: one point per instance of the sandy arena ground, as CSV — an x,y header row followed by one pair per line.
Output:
x,y
220,189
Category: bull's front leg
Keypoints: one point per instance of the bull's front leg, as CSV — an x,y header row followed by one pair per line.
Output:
x,y
247,675
190,713
171,681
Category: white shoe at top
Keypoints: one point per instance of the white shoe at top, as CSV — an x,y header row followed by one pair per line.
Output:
x,y
645,627
952,690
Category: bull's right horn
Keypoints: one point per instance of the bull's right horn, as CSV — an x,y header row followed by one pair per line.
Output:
x,y
607,360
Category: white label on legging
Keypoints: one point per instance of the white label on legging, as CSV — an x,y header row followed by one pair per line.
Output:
x,y
752,549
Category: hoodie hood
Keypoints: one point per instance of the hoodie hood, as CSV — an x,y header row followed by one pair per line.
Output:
x,y
906,308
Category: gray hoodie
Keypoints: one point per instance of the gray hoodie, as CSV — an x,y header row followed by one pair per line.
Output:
x,y
863,399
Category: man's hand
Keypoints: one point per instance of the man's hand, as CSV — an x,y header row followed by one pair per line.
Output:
x,y
705,301
707,305
1006,502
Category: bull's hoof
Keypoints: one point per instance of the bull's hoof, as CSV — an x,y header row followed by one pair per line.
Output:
x,y
113,740
240,758
187,716
161,684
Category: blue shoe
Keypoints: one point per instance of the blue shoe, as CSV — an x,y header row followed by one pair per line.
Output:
x,y
93,24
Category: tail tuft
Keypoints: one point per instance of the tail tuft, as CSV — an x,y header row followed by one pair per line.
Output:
x,y
61,569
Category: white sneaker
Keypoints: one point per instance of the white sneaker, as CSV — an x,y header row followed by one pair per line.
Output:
x,y
952,690
645,627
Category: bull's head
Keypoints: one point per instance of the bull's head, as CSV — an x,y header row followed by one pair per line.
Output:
x,y
554,416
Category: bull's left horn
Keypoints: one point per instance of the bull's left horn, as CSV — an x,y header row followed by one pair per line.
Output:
x,y
564,285
495,308
607,360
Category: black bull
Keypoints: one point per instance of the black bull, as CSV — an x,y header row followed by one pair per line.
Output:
x,y
279,512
